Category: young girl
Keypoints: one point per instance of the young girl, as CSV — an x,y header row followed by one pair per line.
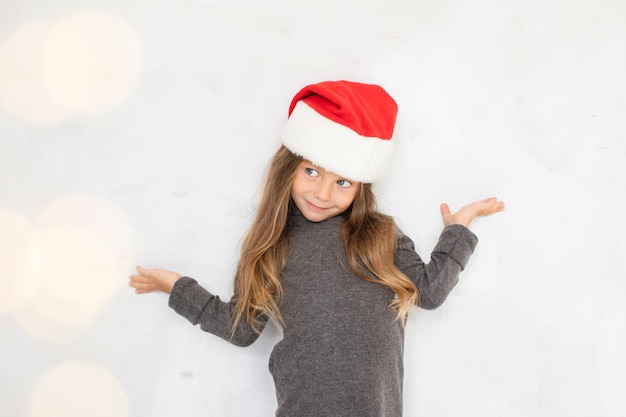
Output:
x,y
320,260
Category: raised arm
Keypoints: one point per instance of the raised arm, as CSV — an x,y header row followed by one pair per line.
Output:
x,y
196,304
437,278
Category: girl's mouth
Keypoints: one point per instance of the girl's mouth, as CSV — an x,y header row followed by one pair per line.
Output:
x,y
314,207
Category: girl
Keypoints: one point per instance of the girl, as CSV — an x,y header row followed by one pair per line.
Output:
x,y
320,260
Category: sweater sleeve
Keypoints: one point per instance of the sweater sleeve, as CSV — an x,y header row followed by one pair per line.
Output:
x,y
435,280
199,306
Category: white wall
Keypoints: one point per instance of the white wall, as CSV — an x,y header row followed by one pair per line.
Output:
x,y
136,132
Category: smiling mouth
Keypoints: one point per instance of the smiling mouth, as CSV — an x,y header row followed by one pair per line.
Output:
x,y
316,208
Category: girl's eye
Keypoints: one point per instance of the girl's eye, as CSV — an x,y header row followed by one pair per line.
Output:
x,y
311,172
344,183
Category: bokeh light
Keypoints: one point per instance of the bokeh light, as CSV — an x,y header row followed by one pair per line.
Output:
x,y
22,89
96,214
79,389
20,269
80,279
88,62
68,65
88,249
91,61
78,265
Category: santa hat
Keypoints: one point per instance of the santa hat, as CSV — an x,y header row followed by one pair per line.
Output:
x,y
343,127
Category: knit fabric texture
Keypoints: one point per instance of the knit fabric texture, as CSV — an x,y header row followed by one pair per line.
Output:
x,y
342,348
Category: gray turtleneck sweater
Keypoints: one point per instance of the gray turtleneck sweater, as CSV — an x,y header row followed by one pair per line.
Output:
x,y
342,349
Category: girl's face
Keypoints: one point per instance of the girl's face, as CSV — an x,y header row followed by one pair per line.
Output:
x,y
320,194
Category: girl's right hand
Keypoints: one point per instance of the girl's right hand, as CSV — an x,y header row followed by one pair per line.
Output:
x,y
150,280
467,213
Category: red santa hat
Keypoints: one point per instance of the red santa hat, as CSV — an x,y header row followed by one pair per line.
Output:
x,y
343,127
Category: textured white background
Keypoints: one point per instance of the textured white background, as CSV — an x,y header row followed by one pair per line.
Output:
x,y
525,100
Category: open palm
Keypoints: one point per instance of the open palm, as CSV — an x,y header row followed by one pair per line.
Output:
x,y
467,213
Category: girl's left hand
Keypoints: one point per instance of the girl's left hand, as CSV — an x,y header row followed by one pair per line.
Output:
x,y
150,280
467,213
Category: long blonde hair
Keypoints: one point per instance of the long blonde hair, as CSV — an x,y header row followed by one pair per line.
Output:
x,y
370,239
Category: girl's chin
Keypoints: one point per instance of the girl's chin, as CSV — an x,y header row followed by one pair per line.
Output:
x,y
314,216
317,216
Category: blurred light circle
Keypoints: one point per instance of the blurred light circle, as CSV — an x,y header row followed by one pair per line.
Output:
x,y
96,214
22,89
68,64
21,250
80,280
87,251
88,62
54,320
91,62
79,389
78,266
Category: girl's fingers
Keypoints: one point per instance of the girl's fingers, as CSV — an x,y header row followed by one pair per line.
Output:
x,y
152,280
139,279
141,284
142,287
495,204
492,206
445,210
136,284
143,271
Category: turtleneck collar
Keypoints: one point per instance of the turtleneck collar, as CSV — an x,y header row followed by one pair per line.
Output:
x,y
296,218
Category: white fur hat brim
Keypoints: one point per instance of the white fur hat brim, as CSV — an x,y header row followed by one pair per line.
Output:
x,y
335,147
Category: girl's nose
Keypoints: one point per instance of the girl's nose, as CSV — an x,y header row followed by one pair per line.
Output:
x,y
322,192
